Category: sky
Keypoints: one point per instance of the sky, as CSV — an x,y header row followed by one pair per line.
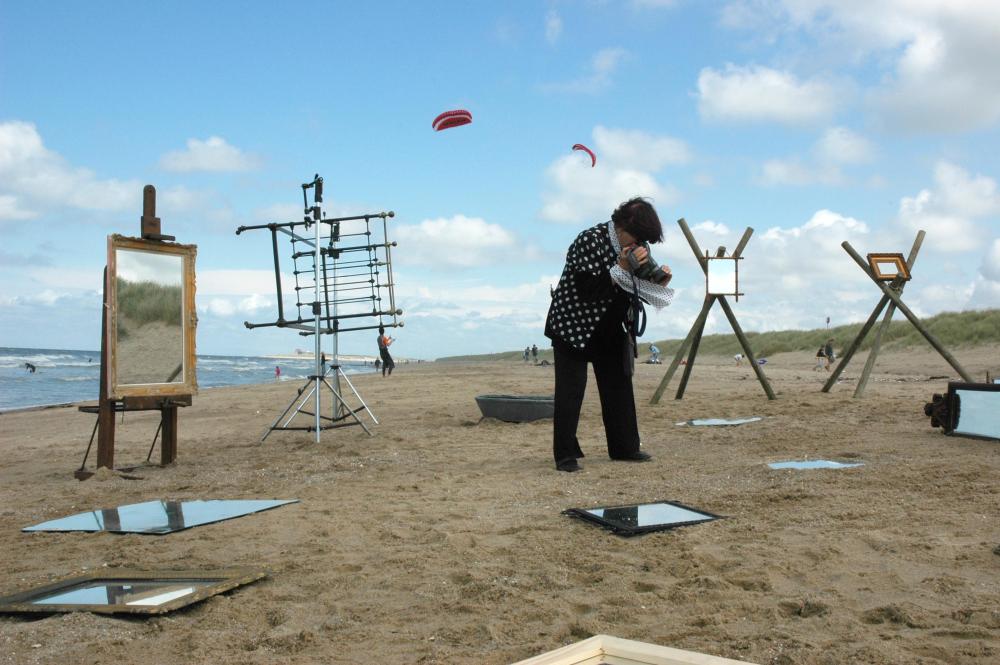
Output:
x,y
812,122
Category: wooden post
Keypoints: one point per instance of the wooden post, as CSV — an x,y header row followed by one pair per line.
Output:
x,y
675,363
898,285
168,434
933,341
698,329
745,343
106,407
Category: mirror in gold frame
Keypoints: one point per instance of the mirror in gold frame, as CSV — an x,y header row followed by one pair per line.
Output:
x,y
151,318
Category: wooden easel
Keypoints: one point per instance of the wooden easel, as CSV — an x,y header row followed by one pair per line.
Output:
x,y
693,338
106,406
892,293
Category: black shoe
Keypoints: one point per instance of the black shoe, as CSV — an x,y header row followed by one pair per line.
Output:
x,y
637,456
569,466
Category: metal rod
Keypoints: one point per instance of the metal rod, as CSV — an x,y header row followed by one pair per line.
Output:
x,y
277,273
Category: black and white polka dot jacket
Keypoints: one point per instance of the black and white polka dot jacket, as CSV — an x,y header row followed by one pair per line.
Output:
x,y
585,289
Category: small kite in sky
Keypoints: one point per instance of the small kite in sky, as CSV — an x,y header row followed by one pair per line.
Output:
x,y
450,119
593,157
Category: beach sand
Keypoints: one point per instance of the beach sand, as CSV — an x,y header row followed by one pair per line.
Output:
x,y
440,539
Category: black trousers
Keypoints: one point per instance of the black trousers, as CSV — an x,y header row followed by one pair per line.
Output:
x,y
617,403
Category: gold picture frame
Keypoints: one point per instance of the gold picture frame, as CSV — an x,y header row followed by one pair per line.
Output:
x,y
151,318
888,267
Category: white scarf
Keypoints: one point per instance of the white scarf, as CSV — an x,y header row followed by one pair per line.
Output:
x,y
657,295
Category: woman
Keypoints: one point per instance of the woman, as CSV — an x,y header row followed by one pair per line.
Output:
x,y
587,324
384,342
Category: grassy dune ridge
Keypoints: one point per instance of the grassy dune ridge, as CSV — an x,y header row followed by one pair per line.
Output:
x,y
145,302
953,329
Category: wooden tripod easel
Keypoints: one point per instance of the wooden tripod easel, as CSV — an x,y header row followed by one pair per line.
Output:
x,y
891,296
693,338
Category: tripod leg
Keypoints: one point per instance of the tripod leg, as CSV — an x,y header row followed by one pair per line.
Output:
x,y
288,408
873,353
693,352
355,391
349,410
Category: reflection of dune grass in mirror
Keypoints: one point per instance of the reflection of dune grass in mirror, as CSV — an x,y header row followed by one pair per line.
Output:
x,y
150,334
140,303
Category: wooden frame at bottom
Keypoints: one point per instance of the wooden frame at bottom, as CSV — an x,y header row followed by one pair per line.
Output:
x,y
608,650
220,582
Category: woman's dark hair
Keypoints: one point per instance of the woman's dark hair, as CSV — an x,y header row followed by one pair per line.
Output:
x,y
638,217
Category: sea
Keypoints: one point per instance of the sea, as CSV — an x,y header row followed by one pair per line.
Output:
x,y
63,376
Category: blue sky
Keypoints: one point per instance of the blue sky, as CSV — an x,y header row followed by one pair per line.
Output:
x,y
813,122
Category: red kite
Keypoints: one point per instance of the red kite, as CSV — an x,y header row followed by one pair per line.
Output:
x,y
593,157
449,119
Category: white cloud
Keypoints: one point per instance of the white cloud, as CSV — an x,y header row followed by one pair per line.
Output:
x,y
839,145
456,242
627,162
598,77
553,26
949,213
939,56
212,154
986,289
10,209
761,94
34,178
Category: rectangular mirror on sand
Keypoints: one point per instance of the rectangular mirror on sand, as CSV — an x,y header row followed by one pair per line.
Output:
x,y
159,517
127,591
151,318
720,422
814,464
635,519
608,650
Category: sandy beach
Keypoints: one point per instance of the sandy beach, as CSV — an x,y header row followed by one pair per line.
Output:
x,y
440,539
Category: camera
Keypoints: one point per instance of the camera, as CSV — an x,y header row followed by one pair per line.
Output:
x,y
650,270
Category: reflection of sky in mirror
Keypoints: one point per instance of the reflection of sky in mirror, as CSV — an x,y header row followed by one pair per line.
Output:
x,y
722,276
815,464
650,514
119,592
979,414
136,266
887,267
717,422
159,516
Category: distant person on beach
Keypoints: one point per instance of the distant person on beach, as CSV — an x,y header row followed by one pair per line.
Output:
x,y
587,324
527,352
654,350
277,373
378,364
828,352
31,368
534,353
820,359
384,341
739,359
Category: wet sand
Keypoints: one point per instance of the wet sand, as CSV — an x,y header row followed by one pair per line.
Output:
x,y
440,539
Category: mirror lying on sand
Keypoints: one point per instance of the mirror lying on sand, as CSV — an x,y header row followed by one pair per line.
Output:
x,y
158,517
719,422
151,317
814,464
635,519
127,591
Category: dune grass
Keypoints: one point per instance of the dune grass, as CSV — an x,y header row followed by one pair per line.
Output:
x,y
140,303
953,329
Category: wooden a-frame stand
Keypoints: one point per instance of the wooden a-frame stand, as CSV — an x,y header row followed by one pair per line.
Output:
x,y
693,338
892,293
